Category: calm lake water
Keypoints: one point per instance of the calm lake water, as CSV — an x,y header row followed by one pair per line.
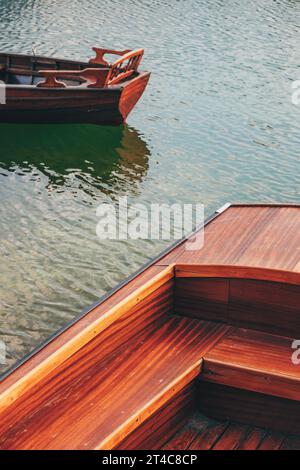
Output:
x,y
216,124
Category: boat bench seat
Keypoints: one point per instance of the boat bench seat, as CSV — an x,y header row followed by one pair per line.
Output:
x,y
105,391
254,361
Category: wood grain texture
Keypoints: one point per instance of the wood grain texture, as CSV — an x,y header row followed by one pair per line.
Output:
x,y
159,428
219,271
206,299
248,235
272,441
232,438
254,361
252,439
261,305
88,327
265,306
106,390
208,437
131,94
202,433
246,407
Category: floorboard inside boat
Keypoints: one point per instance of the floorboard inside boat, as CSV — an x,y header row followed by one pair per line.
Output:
x,y
203,433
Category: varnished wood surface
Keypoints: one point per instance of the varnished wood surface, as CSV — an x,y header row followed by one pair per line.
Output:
x,y
121,364
255,235
108,387
163,424
202,433
272,307
247,407
211,271
265,306
82,93
202,298
88,327
254,361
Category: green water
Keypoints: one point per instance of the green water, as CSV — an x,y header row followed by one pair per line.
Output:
x,y
216,124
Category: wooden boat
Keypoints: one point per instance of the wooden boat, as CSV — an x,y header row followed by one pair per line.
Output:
x,y
193,352
50,90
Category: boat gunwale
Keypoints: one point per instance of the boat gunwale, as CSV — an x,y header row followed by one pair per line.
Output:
x,y
221,271
111,88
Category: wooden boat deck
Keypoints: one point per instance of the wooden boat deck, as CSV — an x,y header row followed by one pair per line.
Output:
x,y
260,236
206,331
202,433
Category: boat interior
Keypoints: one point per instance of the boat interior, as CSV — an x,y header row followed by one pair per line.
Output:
x,y
16,69
25,70
195,352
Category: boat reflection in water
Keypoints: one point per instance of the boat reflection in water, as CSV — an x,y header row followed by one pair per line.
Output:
x,y
52,179
82,156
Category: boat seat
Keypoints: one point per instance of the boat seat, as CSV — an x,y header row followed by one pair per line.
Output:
x,y
105,391
254,361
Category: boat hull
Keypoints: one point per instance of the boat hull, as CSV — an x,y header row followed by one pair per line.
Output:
x,y
107,106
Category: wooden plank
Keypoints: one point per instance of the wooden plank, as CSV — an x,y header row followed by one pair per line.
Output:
x,y
254,361
261,305
200,433
265,306
207,438
245,407
252,440
232,437
161,427
206,299
272,441
248,235
104,395
87,328
182,440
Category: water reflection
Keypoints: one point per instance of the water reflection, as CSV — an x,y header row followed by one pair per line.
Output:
x,y
84,156
52,178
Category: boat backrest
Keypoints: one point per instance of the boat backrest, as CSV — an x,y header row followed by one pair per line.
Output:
x,y
100,53
124,67
243,296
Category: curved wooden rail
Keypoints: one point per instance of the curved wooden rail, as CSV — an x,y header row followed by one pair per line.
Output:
x,y
237,272
124,67
101,52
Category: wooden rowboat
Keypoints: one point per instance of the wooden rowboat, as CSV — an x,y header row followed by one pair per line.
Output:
x,y
193,352
49,90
